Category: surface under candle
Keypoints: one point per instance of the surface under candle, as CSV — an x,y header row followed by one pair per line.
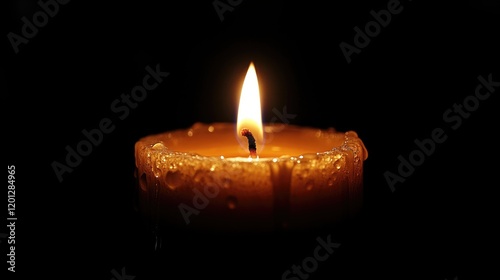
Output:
x,y
202,178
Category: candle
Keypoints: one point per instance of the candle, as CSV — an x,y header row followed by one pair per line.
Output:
x,y
205,177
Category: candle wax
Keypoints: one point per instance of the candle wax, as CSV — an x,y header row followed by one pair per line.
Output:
x,y
202,178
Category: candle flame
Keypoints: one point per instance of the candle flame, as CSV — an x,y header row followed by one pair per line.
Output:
x,y
249,111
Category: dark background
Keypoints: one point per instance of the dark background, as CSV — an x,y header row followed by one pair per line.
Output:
x,y
438,224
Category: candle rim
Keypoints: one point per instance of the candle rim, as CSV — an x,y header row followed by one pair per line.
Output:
x,y
351,142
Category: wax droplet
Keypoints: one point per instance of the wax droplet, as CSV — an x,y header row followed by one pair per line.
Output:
x,y
356,159
337,164
173,179
158,146
172,166
190,133
211,128
143,182
309,185
232,202
157,172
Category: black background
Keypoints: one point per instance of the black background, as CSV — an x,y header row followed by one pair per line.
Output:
x,y
438,224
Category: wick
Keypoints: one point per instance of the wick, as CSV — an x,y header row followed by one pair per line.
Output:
x,y
252,147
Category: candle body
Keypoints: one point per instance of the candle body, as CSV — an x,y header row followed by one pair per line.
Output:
x,y
201,178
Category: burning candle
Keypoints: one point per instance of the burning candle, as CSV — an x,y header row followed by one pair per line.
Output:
x,y
249,176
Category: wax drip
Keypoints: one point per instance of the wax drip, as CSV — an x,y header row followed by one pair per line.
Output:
x,y
281,176
157,242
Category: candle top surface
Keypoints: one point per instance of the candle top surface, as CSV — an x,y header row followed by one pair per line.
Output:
x,y
220,140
